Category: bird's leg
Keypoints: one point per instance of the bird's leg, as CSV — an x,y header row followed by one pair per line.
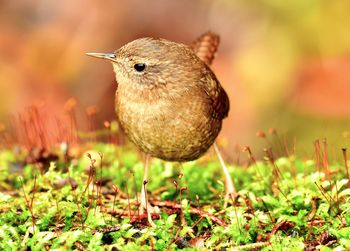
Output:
x,y
144,199
230,188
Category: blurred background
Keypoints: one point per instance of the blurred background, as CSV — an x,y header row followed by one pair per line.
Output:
x,y
284,64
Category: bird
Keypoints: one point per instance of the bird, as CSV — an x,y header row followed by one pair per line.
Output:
x,y
168,101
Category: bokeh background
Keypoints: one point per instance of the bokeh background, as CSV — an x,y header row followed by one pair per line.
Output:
x,y
284,64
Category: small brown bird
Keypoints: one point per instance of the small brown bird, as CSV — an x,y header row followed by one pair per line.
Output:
x,y
168,101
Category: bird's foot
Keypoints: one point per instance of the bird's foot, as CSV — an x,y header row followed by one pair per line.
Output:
x,y
145,207
231,193
229,197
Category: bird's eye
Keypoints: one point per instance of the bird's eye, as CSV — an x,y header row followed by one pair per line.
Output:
x,y
139,67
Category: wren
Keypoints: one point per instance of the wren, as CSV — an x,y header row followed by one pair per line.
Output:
x,y
168,101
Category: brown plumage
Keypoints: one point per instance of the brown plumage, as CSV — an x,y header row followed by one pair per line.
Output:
x,y
205,46
169,102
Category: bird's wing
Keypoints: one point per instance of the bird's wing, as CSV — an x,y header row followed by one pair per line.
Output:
x,y
205,48
219,100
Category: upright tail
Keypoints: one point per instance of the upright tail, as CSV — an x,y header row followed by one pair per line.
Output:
x,y
206,46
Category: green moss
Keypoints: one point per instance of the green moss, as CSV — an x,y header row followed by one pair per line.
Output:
x,y
291,210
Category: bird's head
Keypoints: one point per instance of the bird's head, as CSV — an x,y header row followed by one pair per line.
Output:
x,y
149,62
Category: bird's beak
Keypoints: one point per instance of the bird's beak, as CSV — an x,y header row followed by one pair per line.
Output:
x,y
109,56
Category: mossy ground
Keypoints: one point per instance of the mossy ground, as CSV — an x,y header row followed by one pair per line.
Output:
x,y
76,202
